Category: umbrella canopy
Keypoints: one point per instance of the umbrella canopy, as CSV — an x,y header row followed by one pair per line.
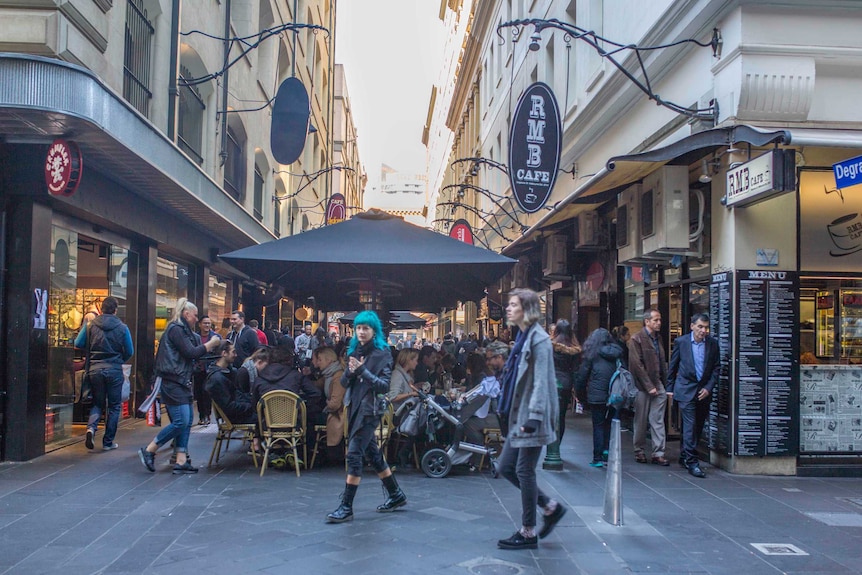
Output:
x,y
398,319
342,265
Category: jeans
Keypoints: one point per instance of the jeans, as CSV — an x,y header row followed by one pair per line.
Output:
x,y
518,465
107,386
602,416
363,442
179,428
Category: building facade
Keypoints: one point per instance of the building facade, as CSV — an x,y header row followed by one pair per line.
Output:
x,y
729,208
175,168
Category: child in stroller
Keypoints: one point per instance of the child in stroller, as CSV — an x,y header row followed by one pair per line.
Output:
x,y
432,413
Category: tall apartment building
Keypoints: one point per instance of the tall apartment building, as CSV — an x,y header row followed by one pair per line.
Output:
x,y
690,212
131,156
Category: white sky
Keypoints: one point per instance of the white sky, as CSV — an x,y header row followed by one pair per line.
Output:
x,y
392,51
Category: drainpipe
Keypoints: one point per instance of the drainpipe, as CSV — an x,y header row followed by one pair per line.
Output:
x,y
173,91
227,44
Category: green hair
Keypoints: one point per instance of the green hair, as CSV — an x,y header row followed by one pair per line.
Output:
x,y
370,319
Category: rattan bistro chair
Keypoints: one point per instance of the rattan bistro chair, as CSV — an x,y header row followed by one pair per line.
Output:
x,y
226,430
282,420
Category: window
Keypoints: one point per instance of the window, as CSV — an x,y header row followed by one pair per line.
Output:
x,y
258,193
191,118
234,165
136,62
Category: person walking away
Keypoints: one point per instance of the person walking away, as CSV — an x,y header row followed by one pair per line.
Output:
x,y
598,364
622,335
202,366
691,377
369,369
529,411
243,337
566,351
179,347
648,366
110,346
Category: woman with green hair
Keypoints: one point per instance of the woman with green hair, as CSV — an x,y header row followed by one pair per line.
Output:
x,y
369,368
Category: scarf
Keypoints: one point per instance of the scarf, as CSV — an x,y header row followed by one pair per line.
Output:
x,y
328,372
510,374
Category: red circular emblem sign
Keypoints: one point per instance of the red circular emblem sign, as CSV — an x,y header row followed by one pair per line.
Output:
x,y
595,276
63,167
461,231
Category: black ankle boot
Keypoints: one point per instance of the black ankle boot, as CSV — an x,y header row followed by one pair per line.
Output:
x,y
345,510
396,497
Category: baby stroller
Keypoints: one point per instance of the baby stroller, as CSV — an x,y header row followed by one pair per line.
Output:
x,y
428,416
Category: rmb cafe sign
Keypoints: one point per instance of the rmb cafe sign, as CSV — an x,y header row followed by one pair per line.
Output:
x,y
534,147
336,210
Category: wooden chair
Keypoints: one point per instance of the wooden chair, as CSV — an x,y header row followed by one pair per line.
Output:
x,y
493,436
319,442
281,415
226,430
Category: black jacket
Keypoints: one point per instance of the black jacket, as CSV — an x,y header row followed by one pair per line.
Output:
x,y
236,405
179,347
595,374
245,343
370,379
279,376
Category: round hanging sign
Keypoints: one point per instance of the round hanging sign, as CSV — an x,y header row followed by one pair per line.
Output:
x,y
336,211
63,168
462,232
534,147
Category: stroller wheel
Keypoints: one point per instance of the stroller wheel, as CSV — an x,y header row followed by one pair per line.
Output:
x,y
436,463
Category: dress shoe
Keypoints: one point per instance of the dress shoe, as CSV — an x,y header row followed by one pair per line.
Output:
x,y
518,541
550,521
640,458
696,471
660,461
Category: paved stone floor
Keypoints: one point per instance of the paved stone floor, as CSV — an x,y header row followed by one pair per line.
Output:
x,y
77,512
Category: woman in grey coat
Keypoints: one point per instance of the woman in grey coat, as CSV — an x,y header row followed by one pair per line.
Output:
x,y
529,412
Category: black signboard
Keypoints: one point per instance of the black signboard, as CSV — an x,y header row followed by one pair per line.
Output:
x,y
495,310
767,367
721,328
534,147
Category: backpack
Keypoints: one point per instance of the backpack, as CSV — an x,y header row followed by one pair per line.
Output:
x,y
622,390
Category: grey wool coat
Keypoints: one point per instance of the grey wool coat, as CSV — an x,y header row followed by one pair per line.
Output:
x,y
535,393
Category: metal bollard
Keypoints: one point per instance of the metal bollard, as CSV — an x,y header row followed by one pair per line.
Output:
x,y
613,512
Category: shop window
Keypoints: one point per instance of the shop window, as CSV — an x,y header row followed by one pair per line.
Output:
x,y
174,280
136,61
220,303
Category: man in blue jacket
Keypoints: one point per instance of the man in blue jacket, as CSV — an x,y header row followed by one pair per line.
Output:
x,y
692,375
110,346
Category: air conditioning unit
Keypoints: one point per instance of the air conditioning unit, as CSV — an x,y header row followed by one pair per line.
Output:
x,y
628,236
521,274
554,256
664,210
587,229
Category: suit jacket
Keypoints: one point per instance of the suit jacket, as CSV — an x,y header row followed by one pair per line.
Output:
x,y
648,370
682,378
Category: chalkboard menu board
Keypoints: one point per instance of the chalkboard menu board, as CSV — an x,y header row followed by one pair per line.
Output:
x,y
721,328
767,369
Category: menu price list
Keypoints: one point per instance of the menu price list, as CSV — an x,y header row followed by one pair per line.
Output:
x,y
830,408
767,335
721,316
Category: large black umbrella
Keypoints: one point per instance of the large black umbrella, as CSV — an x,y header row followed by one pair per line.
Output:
x,y
374,255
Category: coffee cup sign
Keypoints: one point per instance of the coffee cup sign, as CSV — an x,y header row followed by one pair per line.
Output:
x,y
534,147
846,233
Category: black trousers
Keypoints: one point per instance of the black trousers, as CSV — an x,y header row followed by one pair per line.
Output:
x,y
693,416
363,442
202,397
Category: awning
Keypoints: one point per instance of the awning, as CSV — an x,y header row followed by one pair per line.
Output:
x,y
43,98
621,171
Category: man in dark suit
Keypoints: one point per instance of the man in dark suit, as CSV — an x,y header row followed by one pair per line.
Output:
x,y
692,374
